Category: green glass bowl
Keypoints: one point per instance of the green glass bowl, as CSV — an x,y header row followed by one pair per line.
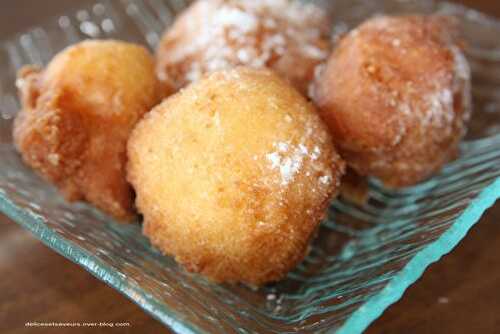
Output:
x,y
365,257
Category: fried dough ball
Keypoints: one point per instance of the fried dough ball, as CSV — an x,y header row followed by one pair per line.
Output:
x,y
233,175
77,115
396,96
291,38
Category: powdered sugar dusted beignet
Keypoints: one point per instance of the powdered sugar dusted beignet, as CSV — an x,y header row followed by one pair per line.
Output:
x,y
396,96
233,175
289,37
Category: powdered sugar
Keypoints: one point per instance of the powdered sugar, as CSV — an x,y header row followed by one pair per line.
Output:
x,y
289,167
282,147
287,159
326,179
275,159
315,153
233,17
439,111
215,35
462,81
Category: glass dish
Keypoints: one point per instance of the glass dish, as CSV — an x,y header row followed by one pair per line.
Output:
x,y
363,260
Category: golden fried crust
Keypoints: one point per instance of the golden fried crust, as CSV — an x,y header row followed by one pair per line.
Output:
x,y
290,38
233,175
396,96
77,115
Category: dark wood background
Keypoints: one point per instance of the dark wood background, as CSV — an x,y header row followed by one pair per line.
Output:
x,y
460,294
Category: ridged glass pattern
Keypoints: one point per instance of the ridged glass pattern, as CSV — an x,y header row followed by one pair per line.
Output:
x,y
364,258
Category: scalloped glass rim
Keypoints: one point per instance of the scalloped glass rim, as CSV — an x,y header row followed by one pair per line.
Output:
x,y
357,321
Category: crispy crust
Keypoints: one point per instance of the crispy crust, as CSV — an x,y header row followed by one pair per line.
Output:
x,y
233,175
396,95
77,115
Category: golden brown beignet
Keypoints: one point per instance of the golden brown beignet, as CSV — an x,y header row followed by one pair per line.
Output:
x,y
396,95
77,115
233,175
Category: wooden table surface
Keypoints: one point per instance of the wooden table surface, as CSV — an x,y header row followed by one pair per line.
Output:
x,y
460,294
